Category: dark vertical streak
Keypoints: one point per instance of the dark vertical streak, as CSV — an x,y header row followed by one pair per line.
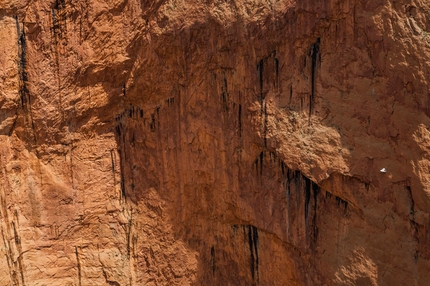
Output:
x,y
224,93
213,259
307,196
263,107
153,123
122,154
316,191
12,272
291,92
266,120
19,248
413,223
255,240
56,31
261,163
260,68
239,119
412,207
276,73
128,234
112,157
78,262
158,117
23,76
253,248
123,192
314,55
71,164
22,54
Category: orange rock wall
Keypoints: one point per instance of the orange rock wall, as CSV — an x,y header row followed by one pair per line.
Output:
x,y
214,142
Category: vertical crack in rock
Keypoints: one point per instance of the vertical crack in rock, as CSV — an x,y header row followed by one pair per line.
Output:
x,y
339,201
123,191
413,223
120,133
58,14
261,163
307,197
266,121
239,116
316,190
170,101
23,76
239,120
213,260
276,62
13,273
128,236
126,134
260,70
153,123
416,239
157,110
112,157
412,203
291,93
22,64
314,53
224,93
253,248
262,100
6,233
20,260
78,264
71,164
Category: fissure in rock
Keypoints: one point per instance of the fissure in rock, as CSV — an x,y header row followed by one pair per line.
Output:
x,y
19,249
276,72
213,259
78,262
224,93
260,70
22,54
122,155
315,51
253,248
339,201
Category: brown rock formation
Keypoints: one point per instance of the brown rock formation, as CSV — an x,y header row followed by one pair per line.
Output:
x,y
214,142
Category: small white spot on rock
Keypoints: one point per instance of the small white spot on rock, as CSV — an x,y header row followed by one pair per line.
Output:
x,y
383,170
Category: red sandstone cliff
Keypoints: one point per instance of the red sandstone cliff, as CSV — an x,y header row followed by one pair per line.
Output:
x,y
214,142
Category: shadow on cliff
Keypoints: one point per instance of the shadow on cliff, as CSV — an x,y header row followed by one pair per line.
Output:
x,y
191,124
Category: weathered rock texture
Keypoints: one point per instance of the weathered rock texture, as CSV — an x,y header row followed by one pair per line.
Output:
x,y
237,142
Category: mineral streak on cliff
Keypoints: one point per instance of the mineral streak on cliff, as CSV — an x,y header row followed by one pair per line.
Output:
x,y
210,142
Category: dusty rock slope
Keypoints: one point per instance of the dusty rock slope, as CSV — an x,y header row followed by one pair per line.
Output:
x,y
237,142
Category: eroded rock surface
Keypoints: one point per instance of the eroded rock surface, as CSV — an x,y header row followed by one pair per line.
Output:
x,y
235,142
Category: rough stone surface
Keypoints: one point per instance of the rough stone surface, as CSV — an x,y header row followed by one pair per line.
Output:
x,y
239,142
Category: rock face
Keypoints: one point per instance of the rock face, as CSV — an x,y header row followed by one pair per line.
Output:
x,y
239,142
